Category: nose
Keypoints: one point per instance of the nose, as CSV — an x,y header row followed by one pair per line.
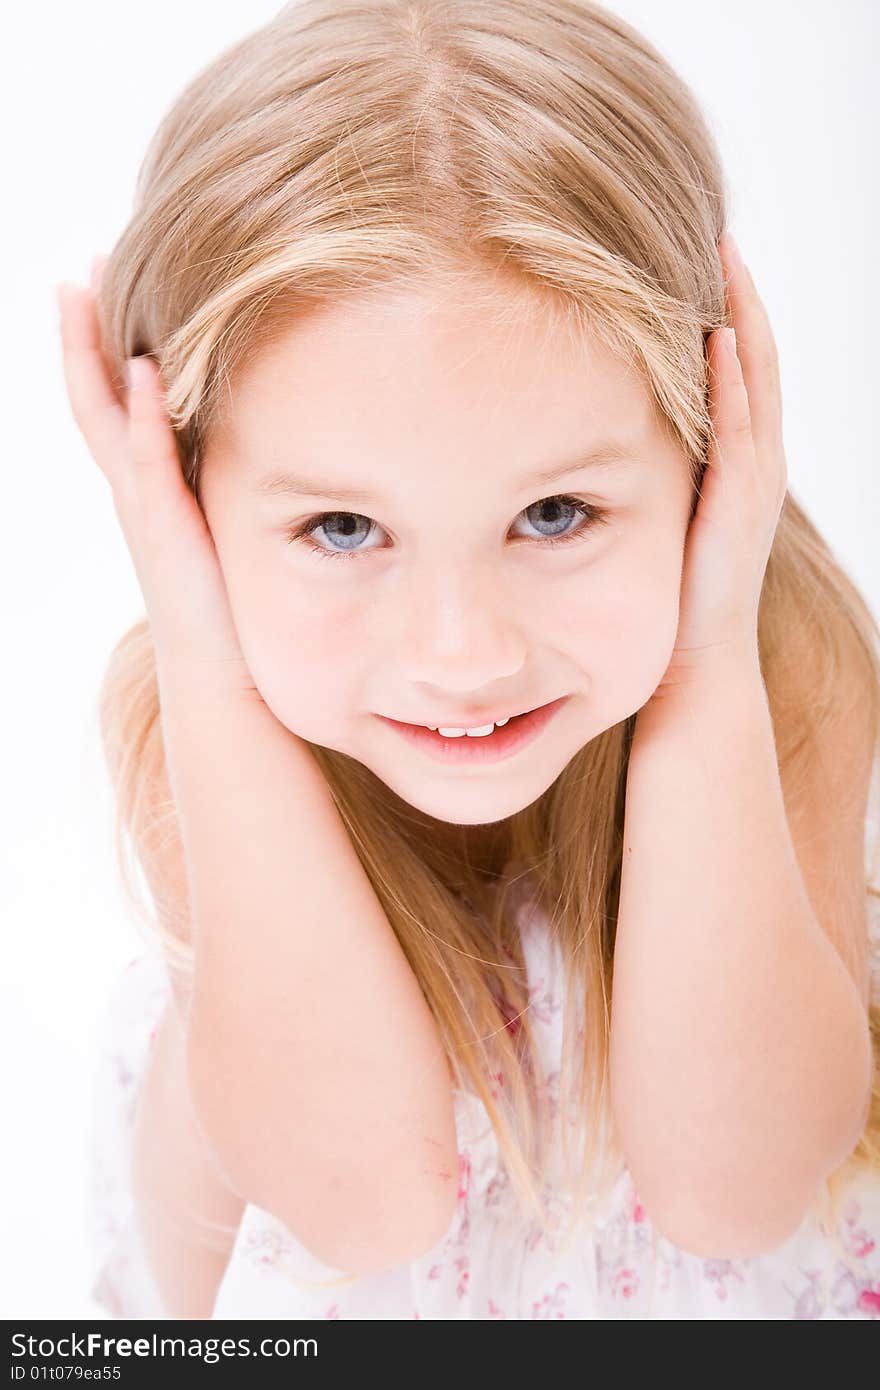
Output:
x,y
463,631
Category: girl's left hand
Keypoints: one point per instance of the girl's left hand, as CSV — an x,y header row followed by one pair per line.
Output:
x,y
744,485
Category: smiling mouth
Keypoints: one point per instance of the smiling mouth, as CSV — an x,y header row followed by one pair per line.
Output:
x,y
489,724
453,724
501,742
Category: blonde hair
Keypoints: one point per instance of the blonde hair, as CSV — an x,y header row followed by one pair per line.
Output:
x,y
347,146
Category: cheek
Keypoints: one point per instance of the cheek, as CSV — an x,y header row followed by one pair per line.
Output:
x,y
305,648
623,624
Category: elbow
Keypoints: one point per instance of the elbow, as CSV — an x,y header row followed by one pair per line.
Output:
x,y
379,1238
739,1215
353,1216
723,1232
727,1220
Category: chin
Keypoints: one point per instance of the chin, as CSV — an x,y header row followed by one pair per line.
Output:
x,y
465,804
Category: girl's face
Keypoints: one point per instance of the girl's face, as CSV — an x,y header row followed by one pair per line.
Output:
x,y
442,576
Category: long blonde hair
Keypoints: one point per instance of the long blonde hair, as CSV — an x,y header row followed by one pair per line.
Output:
x,y
347,145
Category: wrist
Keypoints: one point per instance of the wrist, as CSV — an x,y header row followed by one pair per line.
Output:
x,y
728,661
723,684
201,681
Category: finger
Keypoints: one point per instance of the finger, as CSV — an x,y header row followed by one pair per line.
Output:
x,y
733,469
96,410
96,280
155,460
756,347
156,507
730,406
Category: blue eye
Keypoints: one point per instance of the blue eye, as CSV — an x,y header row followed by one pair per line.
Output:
x,y
591,517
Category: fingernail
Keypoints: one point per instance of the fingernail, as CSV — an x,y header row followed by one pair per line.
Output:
x,y
132,373
727,338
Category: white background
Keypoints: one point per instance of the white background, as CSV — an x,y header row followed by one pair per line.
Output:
x,y
792,101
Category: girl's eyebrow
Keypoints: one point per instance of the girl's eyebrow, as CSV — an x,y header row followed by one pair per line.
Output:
x,y
289,484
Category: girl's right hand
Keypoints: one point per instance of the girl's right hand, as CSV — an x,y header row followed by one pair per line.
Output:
x,y
170,544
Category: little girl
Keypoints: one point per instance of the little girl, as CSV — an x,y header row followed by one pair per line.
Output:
x,y
515,923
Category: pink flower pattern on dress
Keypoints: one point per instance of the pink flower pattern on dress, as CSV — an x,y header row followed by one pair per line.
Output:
x,y
718,1273
551,1305
625,1283
464,1172
869,1300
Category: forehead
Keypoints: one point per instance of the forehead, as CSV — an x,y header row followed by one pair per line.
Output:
x,y
468,361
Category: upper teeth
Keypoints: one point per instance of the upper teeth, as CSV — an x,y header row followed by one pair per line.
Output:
x,y
471,733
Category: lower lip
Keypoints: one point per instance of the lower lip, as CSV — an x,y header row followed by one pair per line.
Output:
x,y
515,735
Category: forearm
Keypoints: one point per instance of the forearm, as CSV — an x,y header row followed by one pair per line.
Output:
x,y
740,1055
316,1065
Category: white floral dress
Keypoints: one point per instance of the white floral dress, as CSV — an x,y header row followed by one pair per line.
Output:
x,y
492,1261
